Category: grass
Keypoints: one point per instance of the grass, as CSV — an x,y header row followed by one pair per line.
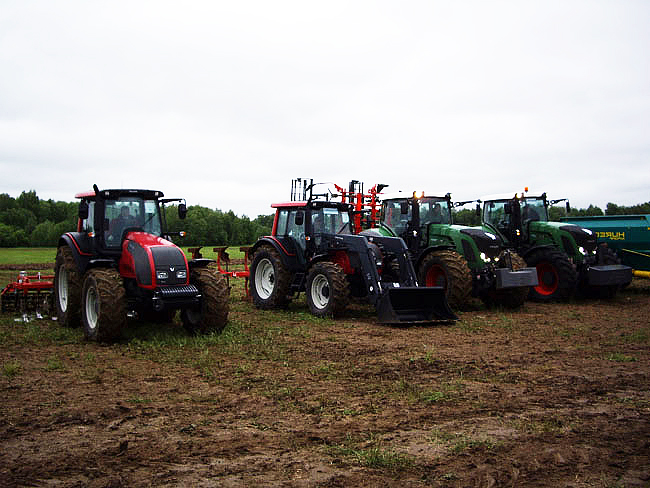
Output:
x,y
458,443
373,456
11,369
621,358
26,255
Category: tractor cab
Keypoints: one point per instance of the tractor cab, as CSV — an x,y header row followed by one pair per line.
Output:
x,y
107,217
302,226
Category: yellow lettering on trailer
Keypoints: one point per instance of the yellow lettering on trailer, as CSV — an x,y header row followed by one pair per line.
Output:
x,y
613,236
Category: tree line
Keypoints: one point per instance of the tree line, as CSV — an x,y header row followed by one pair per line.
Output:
x,y
29,221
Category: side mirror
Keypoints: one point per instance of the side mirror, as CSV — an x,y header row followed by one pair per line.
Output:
x,y
83,210
404,208
568,207
300,219
182,211
478,209
507,208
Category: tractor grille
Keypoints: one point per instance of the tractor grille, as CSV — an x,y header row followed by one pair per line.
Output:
x,y
582,238
184,291
485,243
169,260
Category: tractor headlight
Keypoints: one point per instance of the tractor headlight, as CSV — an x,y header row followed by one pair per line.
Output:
x,y
181,275
161,275
484,257
582,251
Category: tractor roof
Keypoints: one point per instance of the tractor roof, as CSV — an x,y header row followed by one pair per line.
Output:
x,y
150,194
510,196
400,195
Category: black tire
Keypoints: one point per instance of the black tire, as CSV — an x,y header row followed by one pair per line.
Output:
x,y
448,269
327,289
104,305
557,278
212,315
508,297
270,282
67,289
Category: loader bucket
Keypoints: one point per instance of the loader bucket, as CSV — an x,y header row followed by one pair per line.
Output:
x,y
412,304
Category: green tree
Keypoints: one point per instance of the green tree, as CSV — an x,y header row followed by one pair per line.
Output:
x,y
44,234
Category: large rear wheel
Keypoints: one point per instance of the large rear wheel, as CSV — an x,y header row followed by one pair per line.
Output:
x,y
212,315
328,291
270,282
557,278
448,269
104,305
67,288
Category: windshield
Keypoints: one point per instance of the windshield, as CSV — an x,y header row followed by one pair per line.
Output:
x,y
434,211
129,212
330,221
533,209
392,216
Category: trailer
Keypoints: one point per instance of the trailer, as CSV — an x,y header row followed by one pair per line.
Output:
x,y
627,235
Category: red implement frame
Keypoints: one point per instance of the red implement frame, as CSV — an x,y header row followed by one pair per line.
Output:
x,y
364,204
25,287
223,259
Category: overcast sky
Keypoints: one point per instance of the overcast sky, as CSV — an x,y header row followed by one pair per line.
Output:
x,y
223,103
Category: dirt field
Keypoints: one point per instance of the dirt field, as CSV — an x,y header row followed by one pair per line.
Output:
x,y
552,395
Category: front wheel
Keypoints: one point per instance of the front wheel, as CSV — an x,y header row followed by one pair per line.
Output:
x,y
212,314
555,273
103,310
448,269
328,291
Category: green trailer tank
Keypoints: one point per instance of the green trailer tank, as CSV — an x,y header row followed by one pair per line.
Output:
x,y
628,235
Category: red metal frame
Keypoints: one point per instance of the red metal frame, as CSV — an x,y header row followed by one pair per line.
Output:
x,y
25,283
223,257
362,203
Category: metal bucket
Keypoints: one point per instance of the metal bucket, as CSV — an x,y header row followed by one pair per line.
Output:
x,y
411,304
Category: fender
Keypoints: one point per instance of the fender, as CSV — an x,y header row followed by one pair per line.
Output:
x,y
427,250
289,259
535,248
81,246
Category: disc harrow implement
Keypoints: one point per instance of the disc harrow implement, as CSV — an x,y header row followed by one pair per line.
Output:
x,y
29,294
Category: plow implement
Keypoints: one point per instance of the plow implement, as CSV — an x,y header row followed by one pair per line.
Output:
x,y
28,294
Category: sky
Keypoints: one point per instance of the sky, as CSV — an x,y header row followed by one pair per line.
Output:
x,y
223,103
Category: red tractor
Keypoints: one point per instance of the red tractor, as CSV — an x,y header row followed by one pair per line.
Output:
x,y
120,263
313,249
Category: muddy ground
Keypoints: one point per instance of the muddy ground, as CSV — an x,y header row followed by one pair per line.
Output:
x,y
551,395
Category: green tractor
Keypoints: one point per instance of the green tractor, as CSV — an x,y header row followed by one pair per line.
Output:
x,y
567,256
464,260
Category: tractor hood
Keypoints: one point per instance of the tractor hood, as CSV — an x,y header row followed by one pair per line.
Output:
x,y
584,238
153,261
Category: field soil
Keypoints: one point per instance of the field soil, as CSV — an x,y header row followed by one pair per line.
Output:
x,y
549,395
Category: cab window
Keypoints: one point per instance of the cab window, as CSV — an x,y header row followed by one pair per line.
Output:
x,y
88,225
